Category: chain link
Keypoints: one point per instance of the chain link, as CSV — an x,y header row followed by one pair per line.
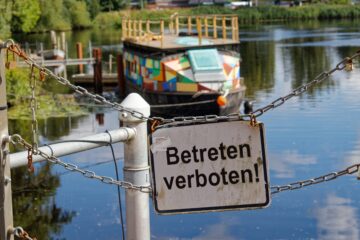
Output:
x,y
18,140
21,233
324,178
33,106
296,92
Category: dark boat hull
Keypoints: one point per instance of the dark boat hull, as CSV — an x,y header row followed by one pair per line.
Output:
x,y
171,104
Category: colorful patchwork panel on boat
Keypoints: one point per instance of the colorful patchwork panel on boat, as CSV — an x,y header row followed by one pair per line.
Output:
x,y
169,74
186,87
230,60
176,74
148,84
186,76
169,86
178,64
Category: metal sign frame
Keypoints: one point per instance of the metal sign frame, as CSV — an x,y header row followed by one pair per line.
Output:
x,y
263,170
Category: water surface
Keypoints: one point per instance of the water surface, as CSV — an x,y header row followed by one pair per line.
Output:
x,y
311,135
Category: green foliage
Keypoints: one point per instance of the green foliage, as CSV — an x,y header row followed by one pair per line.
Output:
x,y
5,18
93,7
25,14
108,20
112,5
18,91
17,84
79,16
53,16
245,15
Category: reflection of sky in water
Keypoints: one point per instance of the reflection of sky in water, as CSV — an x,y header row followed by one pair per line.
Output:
x,y
284,164
337,219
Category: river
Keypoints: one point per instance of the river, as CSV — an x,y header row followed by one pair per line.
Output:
x,y
310,135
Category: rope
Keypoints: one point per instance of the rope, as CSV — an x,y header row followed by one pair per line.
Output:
x,y
118,187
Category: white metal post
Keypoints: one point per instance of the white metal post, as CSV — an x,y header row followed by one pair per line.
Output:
x,y
6,215
136,169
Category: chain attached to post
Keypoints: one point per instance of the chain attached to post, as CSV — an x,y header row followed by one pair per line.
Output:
x,y
324,178
253,121
18,140
34,123
20,233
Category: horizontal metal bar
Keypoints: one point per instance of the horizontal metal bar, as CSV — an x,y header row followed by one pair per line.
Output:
x,y
54,63
74,146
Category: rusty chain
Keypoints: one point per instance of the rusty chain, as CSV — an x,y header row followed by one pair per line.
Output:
x,y
21,234
18,140
324,178
34,123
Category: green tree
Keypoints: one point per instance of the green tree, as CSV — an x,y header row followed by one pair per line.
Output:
x,y
93,7
5,18
78,13
53,16
25,14
113,5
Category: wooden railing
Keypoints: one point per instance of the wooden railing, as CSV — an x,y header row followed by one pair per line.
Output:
x,y
207,26
139,30
204,26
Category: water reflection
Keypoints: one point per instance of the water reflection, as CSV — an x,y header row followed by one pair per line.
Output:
x,y
271,67
286,163
337,220
34,205
221,230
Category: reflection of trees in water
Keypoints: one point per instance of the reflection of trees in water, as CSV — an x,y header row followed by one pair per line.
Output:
x,y
307,63
34,194
258,66
52,128
33,202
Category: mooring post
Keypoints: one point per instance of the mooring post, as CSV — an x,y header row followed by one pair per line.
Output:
x,y
79,51
136,169
120,74
6,215
98,87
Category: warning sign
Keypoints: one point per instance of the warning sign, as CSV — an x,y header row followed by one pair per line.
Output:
x,y
209,167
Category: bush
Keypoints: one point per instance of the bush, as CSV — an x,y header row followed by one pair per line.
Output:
x,y
108,20
79,16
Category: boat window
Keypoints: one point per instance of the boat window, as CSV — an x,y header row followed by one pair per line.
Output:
x,y
205,60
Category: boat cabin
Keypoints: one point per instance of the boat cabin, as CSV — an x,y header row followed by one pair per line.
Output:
x,y
184,56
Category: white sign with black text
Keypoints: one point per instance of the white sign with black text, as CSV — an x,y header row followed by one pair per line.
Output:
x,y
209,167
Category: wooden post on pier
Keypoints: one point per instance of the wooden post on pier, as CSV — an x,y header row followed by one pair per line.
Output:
x,y
98,87
189,25
6,215
214,27
199,29
162,32
206,27
121,76
224,28
79,51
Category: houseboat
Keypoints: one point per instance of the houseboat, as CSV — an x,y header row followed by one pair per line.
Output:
x,y
186,65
